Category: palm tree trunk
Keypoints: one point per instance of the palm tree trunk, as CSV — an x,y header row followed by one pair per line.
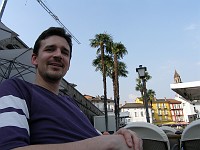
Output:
x,y
116,89
104,85
115,100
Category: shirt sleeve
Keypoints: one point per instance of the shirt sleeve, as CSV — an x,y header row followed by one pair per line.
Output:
x,y
14,115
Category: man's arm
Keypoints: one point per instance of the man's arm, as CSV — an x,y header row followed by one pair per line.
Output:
x,y
104,142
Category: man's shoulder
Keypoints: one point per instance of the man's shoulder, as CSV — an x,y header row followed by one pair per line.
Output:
x,y
14,85
16,81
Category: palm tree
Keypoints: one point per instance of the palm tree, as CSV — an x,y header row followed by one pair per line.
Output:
x,y
110,72
100,41
151,95
139,86
118,50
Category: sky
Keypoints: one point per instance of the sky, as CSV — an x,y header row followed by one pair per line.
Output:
x,y
163,36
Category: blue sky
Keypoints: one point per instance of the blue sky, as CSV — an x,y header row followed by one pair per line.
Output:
x,y
161,35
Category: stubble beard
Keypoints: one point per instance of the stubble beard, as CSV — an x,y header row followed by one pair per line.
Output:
x,y
53,77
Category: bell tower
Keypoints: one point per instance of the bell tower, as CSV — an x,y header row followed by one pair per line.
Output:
x,y
177,78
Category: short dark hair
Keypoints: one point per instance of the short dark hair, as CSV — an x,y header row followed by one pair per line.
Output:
x,y
50,32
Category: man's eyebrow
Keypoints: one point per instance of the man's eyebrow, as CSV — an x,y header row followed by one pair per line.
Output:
x,y
47,46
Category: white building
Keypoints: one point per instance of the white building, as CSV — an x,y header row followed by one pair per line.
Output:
x,y
189,94
137,112
99,103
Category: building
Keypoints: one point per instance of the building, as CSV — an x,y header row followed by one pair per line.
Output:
x,y
98,101
188,93
161,111
165,111
137,112
176,110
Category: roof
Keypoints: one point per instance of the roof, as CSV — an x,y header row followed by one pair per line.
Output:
x,y
176,74
188,90
161,100
97,99
89,97
173,101
167,101
133,105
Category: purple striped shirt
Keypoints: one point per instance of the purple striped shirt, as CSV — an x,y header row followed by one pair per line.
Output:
x,y
30,114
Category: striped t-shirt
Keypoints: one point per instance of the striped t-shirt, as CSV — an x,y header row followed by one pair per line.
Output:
x,y
30,114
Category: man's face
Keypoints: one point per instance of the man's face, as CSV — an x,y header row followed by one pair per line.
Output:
x,y
53,59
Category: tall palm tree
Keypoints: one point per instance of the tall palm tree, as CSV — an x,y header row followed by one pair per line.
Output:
x,y
100,41
118,50
110,72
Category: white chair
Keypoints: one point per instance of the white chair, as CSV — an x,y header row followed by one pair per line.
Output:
x,y
154,138
174,139
190,138
168,129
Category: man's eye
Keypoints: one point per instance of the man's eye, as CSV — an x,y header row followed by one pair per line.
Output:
x,y
65,52
49,49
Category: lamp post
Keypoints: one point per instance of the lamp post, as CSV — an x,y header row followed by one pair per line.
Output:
x,y
141,72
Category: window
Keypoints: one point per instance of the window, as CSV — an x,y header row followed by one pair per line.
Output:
x,y
157,105
109,107
163,105
166,112
159,112
136,115
142,114
12,46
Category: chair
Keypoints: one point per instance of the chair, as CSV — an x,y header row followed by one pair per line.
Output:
x,y
168,129
190,139
174,139
154,138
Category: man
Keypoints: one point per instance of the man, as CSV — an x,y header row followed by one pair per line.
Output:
x,y
35,116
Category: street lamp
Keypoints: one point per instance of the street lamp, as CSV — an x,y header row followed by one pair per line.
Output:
x,y
141,72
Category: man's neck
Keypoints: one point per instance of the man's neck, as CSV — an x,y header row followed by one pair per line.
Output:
x,y
51,86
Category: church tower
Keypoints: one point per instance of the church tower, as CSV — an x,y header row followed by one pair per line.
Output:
x,y
177,78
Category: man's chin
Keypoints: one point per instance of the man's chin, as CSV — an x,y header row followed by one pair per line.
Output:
x,y
54,77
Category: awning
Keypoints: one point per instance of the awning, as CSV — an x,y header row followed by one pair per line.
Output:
x,y
188,90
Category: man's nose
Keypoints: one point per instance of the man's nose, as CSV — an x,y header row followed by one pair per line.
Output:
x,y
58,53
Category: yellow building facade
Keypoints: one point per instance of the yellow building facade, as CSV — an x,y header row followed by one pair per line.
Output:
x,y
161,111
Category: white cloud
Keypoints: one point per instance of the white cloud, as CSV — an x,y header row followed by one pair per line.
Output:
x,y
198,63
192,27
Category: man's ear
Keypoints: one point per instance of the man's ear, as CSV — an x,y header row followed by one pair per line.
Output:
x,y
34,59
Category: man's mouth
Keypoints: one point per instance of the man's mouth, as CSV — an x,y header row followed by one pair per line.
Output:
x,y
56,64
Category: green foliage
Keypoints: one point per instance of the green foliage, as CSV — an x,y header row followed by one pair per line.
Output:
x,y
139,87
